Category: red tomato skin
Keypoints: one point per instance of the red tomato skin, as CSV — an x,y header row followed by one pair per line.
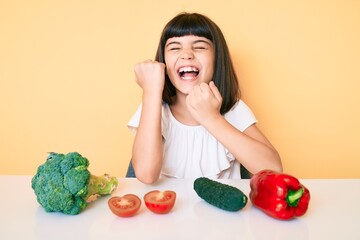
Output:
x,y
161,206
125,211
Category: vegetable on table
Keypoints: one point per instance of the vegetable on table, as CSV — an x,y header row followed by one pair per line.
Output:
x,y
160,202
279,195
220,195
64,184
125,206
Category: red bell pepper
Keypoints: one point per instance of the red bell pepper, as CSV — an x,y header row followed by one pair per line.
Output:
x,y
279,195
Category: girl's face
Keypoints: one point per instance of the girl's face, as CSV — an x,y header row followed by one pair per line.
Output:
x,y
189,61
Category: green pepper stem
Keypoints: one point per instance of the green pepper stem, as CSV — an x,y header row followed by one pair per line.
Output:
x,y
293,197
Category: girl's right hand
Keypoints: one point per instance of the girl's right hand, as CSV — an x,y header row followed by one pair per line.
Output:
x,y
150,76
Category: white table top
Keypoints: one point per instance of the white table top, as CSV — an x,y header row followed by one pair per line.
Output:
x,y
334,213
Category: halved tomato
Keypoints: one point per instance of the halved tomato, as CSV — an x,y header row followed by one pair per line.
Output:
x,y
125,206
160,202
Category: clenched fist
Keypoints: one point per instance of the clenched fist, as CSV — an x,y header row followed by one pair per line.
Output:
x,y
204,102
150,76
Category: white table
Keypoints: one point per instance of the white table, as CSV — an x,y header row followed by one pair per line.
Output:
x,y
334,213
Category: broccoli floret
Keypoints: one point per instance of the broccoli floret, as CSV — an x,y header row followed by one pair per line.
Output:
x,y
64,184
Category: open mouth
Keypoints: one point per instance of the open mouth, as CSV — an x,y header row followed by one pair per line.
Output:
x,y
188,73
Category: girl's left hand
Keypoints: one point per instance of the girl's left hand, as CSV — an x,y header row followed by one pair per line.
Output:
x,y
204,102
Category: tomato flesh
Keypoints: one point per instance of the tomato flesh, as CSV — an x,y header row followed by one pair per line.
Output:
x,y
125,206
160,202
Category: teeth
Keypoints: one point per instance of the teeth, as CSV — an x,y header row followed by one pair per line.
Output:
x,y
188,69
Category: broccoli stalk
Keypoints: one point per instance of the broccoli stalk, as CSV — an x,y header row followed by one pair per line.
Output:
x,y
100,185
64,184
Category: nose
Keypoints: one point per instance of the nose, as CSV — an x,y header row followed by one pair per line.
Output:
x,y
187,54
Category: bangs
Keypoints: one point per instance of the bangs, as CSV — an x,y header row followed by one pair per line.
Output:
x,y
224,75
185,25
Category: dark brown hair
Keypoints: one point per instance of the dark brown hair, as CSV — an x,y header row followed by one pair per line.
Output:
x,y
224,74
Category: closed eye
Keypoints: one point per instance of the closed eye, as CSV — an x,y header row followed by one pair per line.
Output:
x,y
173,46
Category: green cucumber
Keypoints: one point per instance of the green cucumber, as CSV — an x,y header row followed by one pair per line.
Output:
x,y
220,195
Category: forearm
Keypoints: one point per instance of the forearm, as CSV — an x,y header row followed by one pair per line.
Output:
x,y
147,152
252,150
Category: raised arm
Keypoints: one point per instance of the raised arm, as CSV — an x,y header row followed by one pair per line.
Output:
x,y
147,152
250,148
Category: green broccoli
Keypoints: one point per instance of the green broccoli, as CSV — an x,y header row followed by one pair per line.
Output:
x,y
64,184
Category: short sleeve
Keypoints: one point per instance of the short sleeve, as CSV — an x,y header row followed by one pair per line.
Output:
x,y
240,116
134,120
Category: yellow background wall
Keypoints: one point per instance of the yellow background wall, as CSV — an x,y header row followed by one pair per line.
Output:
x,y
67,82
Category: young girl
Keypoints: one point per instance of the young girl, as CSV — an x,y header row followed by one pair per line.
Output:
x,y
192,122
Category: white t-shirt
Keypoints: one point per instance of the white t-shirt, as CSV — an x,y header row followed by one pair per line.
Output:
x,y
191,151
